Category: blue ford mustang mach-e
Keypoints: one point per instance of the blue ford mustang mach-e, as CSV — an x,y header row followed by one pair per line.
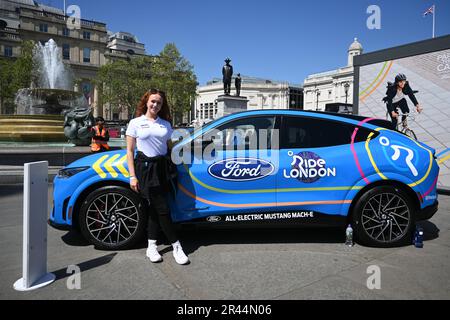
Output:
x,y
274,167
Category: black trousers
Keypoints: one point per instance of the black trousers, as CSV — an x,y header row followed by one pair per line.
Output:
x,y
403,105
159,218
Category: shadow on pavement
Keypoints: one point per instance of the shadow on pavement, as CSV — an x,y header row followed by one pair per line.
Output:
x,y
194,238
84,266
430,230
10,190
74,238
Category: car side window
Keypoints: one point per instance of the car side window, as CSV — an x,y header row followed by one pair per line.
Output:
x,y
250,133
303,132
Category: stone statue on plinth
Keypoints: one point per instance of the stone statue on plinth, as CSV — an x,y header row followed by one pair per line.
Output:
x,y
227,72
237,83
77,126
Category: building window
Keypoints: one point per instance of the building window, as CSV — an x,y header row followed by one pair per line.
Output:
x,y
66,32
66,51
86,35
8,51
87,55
43,27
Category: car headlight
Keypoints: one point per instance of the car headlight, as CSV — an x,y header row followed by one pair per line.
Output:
x,y
70,172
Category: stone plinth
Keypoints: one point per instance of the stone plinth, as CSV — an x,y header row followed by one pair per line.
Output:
x,y
227,104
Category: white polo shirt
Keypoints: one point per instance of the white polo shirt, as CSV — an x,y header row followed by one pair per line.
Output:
x,y
151,137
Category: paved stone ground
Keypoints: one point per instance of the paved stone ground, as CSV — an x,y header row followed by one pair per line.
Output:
x,y
233,264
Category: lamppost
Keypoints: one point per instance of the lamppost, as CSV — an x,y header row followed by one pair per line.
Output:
x,y
346,88
317,99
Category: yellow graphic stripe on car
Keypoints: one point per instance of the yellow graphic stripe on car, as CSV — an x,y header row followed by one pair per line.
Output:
x,y
204,185
268,204
109,165
97,168
371,157
429,166
121,168
411,184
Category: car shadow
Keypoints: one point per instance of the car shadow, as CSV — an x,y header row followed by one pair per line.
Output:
x,y
75,238
193,239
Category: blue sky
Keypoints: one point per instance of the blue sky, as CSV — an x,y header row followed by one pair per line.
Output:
x,y
284,40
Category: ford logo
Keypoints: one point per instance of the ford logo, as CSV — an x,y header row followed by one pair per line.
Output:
x,y
213,219
241,169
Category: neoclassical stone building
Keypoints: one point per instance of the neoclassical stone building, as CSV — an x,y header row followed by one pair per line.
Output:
x,y
331,86
85,49
261,93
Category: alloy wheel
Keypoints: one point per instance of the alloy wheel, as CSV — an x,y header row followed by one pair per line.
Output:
x,y
386,217
112,218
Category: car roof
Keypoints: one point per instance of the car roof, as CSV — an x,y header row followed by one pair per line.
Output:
x,y
349,118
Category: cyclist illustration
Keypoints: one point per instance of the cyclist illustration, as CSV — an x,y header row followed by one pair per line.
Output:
x,y
395,98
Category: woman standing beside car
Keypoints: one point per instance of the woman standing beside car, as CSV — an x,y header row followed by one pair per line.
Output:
x,y
150,133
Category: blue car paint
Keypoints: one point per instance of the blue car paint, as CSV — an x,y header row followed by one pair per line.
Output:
x,y
201,194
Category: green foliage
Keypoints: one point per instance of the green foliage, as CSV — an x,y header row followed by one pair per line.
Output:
x,y
124,82
23,66
6,88
16,74
174,75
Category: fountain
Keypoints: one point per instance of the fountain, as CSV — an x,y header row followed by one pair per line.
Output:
x,y
45,112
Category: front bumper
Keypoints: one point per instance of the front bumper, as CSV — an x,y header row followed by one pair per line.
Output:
x,y
427,212
57,226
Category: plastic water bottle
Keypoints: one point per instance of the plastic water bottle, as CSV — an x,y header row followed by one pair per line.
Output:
x,y
349,236
418,237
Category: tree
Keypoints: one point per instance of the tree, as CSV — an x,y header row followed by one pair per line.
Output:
x,y
6,89
23,66
125,81
15,75
174,75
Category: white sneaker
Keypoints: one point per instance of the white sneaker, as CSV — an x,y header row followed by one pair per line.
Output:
x,y
179,255
153,254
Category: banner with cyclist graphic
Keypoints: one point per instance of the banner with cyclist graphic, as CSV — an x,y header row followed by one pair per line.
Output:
x,y
414,93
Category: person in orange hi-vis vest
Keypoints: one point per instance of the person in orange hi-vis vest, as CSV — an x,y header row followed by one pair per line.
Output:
x,y
101,136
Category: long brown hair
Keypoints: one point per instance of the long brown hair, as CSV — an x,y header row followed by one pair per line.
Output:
x,y
164,113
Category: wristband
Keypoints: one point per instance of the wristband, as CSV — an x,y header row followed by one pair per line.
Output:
x,y
133,177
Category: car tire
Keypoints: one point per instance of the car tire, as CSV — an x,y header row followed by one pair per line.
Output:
x,y
112,218
384,217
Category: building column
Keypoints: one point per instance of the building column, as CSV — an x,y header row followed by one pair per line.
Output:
x,y
98,107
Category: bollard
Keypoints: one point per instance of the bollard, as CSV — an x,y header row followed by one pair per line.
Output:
x,y
35,208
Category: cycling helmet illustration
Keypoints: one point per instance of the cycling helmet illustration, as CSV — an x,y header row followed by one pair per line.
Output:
x,y
400,77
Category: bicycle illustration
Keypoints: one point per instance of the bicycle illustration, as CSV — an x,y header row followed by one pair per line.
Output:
x,y
402,124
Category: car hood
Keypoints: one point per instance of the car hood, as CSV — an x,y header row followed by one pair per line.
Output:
x,y
90,160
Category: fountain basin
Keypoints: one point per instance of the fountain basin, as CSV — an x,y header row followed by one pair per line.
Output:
x,y
32,128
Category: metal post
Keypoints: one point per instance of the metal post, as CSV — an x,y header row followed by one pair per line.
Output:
x,y
35,208
434,15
